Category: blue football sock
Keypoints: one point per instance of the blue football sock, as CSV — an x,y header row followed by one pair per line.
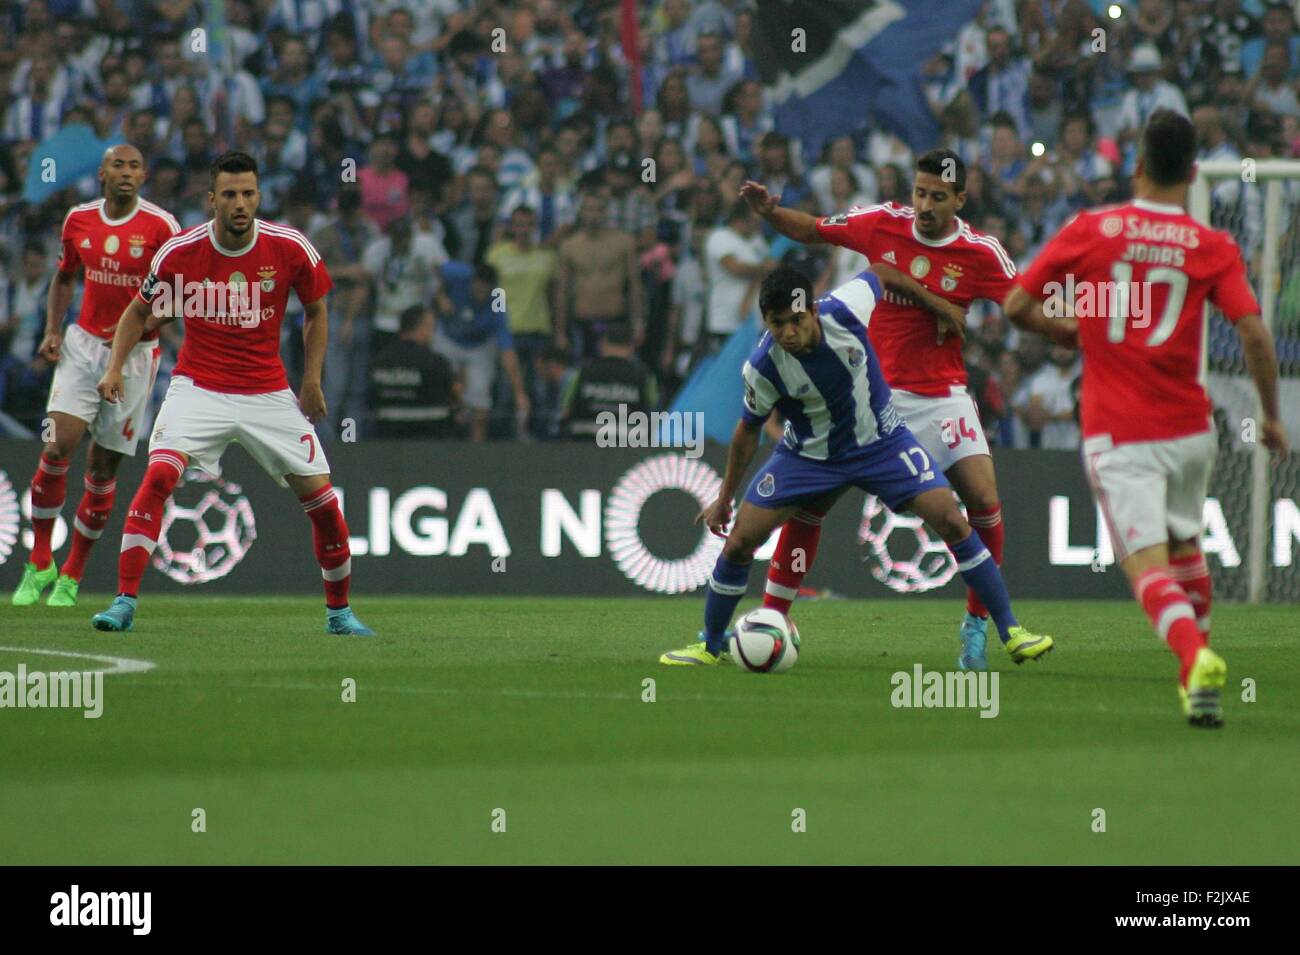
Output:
x,y
726,587
980,571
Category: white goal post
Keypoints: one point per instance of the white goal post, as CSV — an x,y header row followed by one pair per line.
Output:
x,y
1256,200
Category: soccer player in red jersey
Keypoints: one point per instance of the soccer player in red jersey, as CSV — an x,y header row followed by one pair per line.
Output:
x,y
932,265
230,279
112,239
1129,284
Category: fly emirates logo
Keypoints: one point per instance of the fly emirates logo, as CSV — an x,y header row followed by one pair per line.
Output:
x,y
234,301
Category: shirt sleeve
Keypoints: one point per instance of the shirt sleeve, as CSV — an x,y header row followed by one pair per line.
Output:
x,y
1231,291
760,396
999,273
160,272
313,280
852,229
68,258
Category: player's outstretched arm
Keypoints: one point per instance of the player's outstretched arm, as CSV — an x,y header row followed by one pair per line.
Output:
x,y
1261,362
130,329
1025,311
315,336
792,223
744,444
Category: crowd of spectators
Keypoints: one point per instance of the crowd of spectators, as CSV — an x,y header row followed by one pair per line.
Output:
x,y
483,189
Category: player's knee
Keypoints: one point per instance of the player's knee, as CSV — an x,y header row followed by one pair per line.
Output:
x,y
160,478
981,499
60,449
738,550
951,526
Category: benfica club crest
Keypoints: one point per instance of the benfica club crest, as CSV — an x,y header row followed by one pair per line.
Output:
x,y
951,276
137,246
267,275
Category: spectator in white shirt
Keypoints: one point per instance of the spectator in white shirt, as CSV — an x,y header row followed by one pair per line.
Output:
x,y
1051,410
734,259
1150,93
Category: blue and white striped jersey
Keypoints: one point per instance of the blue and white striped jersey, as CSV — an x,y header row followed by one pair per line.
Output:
x,y
834,399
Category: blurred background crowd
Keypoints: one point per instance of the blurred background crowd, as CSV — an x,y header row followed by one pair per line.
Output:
x,y
541,226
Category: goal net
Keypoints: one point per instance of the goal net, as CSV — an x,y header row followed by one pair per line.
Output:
x,y
1253,516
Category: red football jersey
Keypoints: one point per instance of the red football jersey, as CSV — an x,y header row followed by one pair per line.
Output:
x,y
116,254
960,268
1139,274
233,302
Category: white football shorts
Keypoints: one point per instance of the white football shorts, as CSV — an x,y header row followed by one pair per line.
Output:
x,y
271,427
1150,491
82,362
948,426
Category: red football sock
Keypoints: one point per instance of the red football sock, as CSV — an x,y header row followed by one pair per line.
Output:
x,y
988,524
1171,614
1194,577
144,518
92,516
329,538
796,550
48,487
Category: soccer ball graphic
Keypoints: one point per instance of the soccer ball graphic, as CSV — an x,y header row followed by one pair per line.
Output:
x,y
9,517
902,553
766,641
204,541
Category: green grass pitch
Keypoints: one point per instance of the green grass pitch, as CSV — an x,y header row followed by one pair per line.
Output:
x,y
534,706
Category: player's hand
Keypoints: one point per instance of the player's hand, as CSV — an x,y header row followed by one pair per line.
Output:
x,y
1273,436
51,346
758,198
311,399
110,386
952,320
716,517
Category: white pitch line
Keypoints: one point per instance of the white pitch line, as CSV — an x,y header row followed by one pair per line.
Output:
x,y
120,664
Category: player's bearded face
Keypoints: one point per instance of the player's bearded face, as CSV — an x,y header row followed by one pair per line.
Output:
x,y
936,202
234,200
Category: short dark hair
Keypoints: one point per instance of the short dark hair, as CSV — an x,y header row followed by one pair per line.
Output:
x,y
937,162
411,319
777,293
232,161
1168,148
486,272
523,207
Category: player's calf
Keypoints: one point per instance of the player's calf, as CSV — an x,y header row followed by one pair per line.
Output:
x,y
796,549
329,536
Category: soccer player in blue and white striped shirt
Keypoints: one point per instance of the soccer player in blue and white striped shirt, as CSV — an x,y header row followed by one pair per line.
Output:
x,y
816,367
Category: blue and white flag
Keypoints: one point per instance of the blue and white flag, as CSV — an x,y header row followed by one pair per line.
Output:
x,y
836,67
